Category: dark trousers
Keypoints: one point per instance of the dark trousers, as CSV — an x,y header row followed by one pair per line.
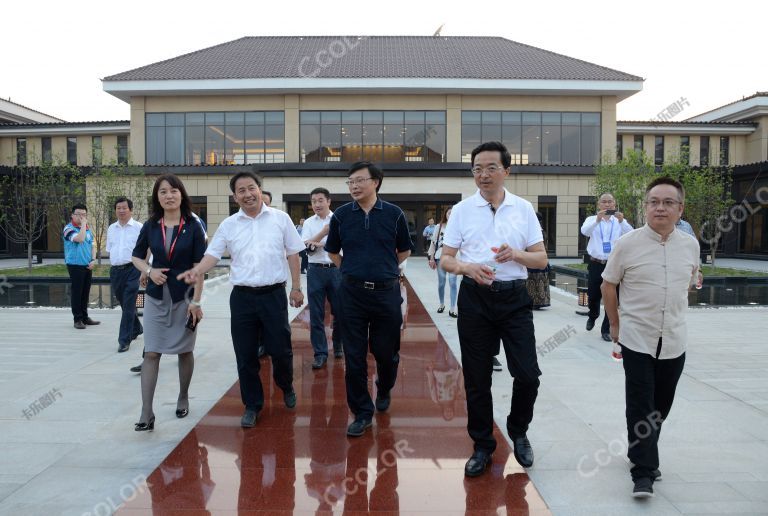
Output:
x,y
304,260
650,386
323,283
81,278
594,280
262,314
369,318
125,287
486,317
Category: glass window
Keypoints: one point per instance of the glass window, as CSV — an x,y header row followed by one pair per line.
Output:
x,y
155,119
704,151
393,138
330,139
414,117
724,150
511,118
492,132
590,144
174,145
530,118
214,138
21,152
352,117
352,141
592,119
309,142
257,118
531,143
47,149
122,150
619,147
330,117
393,118
373,117
435,117
471,117
254,144
658,155
234,140
548,210
274,144
512,138
309,117
639,142
155,145
571,118
274,117
373,149
491,117
571,148
550,143
685,149
435,144
194,144
96,151
72,150
470,138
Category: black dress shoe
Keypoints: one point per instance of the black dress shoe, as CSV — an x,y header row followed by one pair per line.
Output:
x,y
181,413
136,369
607,337
477,463
382,401
290,398
80,325
523,451
358,427
122,348
90,322
319,362
249,418
590,324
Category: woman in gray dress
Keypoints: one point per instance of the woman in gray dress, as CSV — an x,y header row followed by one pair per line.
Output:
x,y
176,240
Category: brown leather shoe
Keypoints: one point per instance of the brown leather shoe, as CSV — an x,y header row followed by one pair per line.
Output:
x,y
90,322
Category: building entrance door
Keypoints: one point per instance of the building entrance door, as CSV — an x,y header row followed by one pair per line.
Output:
x,y
417,215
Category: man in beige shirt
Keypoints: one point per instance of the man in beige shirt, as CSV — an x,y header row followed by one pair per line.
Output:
x,y
654,266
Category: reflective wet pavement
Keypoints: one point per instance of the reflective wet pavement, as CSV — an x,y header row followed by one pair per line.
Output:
x,y
301,462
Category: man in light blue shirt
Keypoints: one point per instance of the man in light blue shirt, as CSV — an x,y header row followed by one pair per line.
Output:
x,y
80,259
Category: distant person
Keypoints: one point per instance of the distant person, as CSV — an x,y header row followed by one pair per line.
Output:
x,y
434,252
603,229
171,314
266,197
80,257
123,276
685,227
429,231
654,267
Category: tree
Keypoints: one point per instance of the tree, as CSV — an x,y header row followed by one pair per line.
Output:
x,y
626,180
104,185
35,198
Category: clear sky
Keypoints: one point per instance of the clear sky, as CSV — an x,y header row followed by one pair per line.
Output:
x,y
54,53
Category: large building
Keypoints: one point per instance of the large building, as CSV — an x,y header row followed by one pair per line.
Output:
x,y
298,110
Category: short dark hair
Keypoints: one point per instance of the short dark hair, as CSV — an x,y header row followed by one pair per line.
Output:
x,y
667,181
79,206
240,175
376,172
123,199
175,182
266,192
506,157
321,190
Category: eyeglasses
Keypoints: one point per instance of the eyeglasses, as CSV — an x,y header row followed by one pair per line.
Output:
x,y
667,203
357,181
491,170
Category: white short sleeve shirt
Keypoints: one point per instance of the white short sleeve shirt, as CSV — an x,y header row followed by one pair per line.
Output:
x,y
312,227
474,229
121,240
258,246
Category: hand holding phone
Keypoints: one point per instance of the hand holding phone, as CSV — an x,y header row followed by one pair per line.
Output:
x,y
191,324
610,212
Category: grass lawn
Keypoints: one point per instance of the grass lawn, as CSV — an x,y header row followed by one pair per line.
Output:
x,y
55,270
708,270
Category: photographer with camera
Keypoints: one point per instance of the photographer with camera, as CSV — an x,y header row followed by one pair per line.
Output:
x,y
603,229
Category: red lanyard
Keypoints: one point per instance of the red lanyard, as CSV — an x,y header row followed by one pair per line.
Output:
x,y
173,244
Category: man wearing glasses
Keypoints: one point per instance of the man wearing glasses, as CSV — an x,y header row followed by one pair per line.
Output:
x,y
654,266
373,235
603,229
499,236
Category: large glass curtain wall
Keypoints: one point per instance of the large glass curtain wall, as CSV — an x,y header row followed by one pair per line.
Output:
x,y
215,138
535,137
383,136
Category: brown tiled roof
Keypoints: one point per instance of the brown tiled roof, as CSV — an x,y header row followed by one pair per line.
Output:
x,y
373,57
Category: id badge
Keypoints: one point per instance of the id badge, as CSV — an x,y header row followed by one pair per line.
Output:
x,y
606,247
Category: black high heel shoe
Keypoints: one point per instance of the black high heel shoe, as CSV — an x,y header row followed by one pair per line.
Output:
x,y
180,413
148,426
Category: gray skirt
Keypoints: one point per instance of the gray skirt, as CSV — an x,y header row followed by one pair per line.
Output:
x,y
164,325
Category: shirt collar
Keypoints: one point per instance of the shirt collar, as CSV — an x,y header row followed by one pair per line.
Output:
x,y
378,206
655,236
264,209
508,199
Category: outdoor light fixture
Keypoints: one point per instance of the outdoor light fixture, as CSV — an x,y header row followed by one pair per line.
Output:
x,y
583,296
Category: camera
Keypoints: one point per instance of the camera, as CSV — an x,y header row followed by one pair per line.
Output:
x,y
610,212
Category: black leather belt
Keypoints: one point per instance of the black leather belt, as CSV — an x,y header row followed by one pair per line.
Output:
x,y
260,290
598,261
372,285
322,265
497,286
123,266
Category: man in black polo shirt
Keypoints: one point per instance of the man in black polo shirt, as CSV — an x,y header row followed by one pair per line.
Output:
x,y
374,237
499,236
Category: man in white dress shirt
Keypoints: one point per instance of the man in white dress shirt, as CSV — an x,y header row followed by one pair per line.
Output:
x,y
654,267
323,279
603,229
123,276
499,236
258,238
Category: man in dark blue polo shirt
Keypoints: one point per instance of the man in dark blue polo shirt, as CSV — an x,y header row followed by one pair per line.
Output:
x,y
374,238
